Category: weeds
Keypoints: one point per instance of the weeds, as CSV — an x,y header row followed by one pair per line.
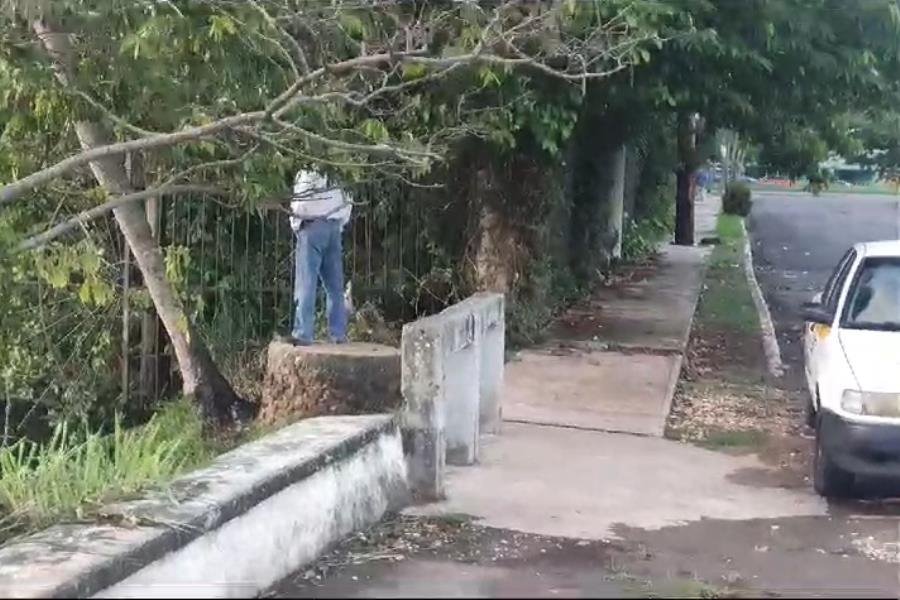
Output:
x,y
77,470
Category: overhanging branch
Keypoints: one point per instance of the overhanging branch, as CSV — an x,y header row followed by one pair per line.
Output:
x,y
37,241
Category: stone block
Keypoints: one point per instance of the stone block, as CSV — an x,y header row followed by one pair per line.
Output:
x,y
329,379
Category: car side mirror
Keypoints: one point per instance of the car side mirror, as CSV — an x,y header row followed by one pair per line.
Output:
x,y
814,312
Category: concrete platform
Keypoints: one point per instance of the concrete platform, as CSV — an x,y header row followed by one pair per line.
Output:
x,y
591,485
608,391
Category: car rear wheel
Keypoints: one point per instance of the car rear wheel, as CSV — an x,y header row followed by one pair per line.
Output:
x,y
830,480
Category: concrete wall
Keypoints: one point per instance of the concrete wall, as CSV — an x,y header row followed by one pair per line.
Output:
x,y
452,375
230,530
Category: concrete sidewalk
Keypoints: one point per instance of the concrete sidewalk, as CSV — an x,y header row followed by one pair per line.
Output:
x,y
628,387
562,465
613,361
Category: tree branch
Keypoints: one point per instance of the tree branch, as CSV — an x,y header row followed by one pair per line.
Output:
x,y
11,191
85,216
382,149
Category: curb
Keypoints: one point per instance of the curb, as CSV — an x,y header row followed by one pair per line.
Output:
x,y
696,300
674,378
774,364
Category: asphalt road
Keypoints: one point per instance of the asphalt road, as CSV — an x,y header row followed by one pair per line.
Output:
x,y
797,241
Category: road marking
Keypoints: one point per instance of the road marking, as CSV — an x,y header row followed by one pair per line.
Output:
x,y
770,340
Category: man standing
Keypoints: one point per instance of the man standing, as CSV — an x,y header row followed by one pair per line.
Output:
x,y
319,212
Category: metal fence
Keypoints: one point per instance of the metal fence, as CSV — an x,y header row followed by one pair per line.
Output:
x,y
237,271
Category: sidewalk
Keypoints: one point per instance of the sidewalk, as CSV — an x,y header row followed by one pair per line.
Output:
x,y
562,466
614,360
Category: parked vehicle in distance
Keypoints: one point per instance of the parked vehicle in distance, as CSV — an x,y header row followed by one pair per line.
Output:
x,y
851,349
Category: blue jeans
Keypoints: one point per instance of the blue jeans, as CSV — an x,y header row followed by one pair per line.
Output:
x,y
319,254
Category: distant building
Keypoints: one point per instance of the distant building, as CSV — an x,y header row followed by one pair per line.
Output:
x,y
854,174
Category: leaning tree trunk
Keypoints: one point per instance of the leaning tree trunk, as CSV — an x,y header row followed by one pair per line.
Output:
x,y
201,379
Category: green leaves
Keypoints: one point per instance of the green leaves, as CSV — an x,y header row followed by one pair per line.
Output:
x,y
353,25
80,265
489,78
413,71
375,130
221,26
177,260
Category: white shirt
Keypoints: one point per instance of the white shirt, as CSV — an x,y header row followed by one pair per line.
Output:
x,y
314,198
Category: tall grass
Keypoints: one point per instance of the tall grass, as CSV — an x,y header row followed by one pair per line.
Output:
x,y
76,471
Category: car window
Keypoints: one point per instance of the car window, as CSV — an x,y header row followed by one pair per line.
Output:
x,y
835,284
874,300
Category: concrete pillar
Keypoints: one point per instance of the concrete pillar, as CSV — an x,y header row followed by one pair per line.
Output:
x,y
493,351
452,381
461,385
422,416
616,200
633,168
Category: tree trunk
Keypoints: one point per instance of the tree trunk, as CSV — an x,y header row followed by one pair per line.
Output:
x,y
497,243
689,127
201,379
684,208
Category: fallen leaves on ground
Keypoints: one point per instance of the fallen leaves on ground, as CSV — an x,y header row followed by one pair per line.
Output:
x,y
704,407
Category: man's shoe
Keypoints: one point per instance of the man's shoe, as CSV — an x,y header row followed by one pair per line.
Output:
x,y
289,339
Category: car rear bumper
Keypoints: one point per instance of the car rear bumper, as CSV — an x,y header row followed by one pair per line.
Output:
x,y
861,448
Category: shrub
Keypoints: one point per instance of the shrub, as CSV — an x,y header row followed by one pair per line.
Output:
x,y
736,200
818,181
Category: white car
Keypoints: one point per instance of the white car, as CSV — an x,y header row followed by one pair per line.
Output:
x,y
852,362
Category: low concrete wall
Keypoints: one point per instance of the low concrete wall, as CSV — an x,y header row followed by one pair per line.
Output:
x,y
231,530
452,377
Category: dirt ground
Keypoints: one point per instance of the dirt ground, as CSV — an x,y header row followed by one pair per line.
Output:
x,y
794,557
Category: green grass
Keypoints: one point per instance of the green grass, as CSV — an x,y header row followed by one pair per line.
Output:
x,y
749,439
689,588
76,471
673,588
874,188
727,303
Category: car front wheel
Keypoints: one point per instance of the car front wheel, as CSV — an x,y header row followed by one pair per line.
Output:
x,y
830,480
810,412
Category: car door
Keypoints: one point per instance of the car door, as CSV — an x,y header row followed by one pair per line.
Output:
x,y
808,327
815,333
